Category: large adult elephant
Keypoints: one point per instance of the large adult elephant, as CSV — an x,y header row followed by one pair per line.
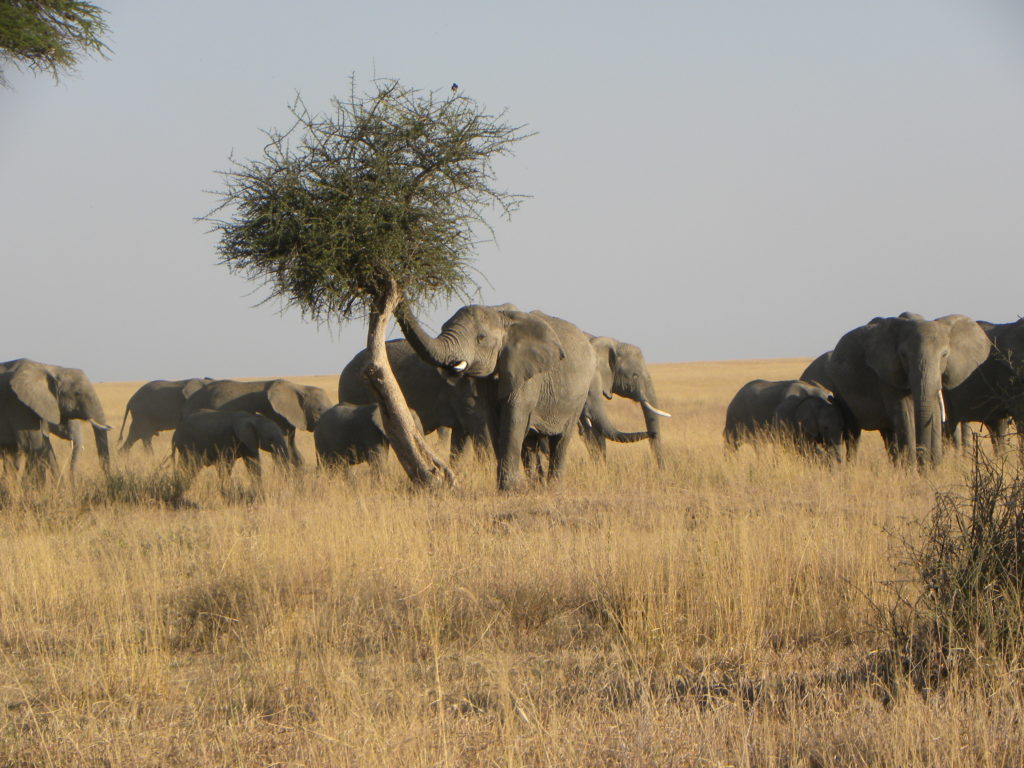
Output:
x,y
539,369
621,370
994,393
156,407
291,406
77,404
891,373
438,399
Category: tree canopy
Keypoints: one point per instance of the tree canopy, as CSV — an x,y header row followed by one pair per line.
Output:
x,y
376,202
384,193
50,35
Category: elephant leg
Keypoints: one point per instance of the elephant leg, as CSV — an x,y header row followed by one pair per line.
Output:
x,y
457,442
997,432
296,457
559,448
512,428
597,444
252,466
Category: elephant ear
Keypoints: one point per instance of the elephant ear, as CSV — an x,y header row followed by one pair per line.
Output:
x,y
35,388
285,403
969,347
247,434
604,349
531,347
881,340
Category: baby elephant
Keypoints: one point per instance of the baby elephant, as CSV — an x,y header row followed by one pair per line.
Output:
x,y
805,410
221,437
351,434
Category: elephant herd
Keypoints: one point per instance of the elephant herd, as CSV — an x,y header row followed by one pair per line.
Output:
x,y
913,380
516,385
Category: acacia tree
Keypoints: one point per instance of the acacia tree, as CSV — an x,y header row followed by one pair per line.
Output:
x,y
50,35
375,203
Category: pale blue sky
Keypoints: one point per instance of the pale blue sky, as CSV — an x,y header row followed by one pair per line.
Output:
x,y
710,180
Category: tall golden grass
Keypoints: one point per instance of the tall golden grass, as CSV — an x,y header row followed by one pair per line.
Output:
x,y
723,612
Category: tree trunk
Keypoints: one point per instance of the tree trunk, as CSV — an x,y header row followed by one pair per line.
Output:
x,y
415,456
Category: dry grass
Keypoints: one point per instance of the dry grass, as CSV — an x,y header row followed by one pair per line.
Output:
x,y
719,613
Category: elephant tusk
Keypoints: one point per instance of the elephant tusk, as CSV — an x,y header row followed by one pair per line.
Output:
x,y
648,407
104,427
460,366
942,406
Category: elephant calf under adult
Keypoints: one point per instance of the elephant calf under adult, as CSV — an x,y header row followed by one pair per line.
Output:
x,y
220,438
156,407
350,434
801,410
27,406
437,399
74,402
291,406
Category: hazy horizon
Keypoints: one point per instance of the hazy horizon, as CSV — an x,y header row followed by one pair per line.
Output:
x,y
708,181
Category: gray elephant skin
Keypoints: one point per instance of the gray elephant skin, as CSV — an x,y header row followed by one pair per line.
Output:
x,y
291,406
205,438
817,373
804,411
28,403
349,434
994,393
539,369
156,407
620,370
890,374
437,399
77,403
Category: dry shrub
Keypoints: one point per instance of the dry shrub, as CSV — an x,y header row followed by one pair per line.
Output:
x,y
968,566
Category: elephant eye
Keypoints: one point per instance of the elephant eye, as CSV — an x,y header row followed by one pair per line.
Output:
x,y
481,338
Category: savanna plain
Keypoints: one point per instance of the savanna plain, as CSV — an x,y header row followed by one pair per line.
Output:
x,y
729,610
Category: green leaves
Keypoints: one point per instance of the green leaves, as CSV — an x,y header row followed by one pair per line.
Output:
x,y
381,195
50,35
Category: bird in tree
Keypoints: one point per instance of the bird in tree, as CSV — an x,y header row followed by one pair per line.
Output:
x,y
375,203
50,35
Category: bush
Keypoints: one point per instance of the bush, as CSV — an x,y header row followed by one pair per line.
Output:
x,y
970,570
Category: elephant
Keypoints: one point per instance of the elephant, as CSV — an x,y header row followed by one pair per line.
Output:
x,y
156,407
437,399
28,404
221,437
805,411
817,373
994,392
290,406
538,371
350,434
77,402
890,374
622,371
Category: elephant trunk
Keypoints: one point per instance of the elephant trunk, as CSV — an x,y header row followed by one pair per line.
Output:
x,y
100,431
604,427
927,413
652,418
435,351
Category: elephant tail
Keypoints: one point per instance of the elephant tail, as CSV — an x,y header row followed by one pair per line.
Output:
x,y
124,420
